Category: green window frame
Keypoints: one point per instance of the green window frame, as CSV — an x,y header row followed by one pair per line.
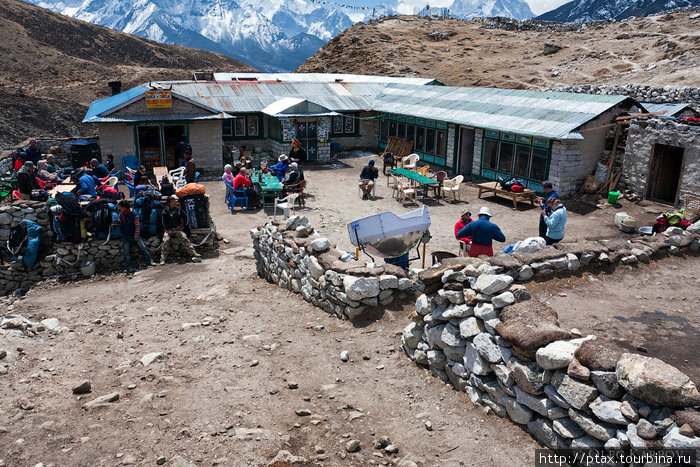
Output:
x,y
429,136
344,125
243,126
509,155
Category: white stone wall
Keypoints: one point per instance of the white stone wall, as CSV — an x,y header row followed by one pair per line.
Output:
x,y
116,139
641,139
566,167
450,159
369,135
478,145
206,142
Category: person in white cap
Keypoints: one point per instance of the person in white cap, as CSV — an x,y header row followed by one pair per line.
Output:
x,y
483,232
280,168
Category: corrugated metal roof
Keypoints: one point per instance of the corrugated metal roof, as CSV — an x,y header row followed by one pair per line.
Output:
x,y
539,113
671,109
103,105
296,107
321,78
160,118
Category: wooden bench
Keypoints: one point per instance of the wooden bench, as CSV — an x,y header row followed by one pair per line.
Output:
x,y
495,188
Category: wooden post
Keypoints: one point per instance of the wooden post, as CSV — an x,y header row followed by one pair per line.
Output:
x,y
423,265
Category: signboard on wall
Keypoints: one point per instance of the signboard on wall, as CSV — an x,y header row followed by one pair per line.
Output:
x,y
162,99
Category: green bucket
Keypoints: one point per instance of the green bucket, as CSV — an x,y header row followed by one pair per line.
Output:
x,y
613,196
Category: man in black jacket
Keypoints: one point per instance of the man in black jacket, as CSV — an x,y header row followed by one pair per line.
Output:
x,y
367,176
174,231
180,149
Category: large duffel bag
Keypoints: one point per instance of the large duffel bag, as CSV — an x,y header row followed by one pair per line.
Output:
x,y
196,209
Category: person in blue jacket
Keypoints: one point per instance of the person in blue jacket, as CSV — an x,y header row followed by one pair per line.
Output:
x,y
280,168
483,232
99,170
555,220
86,184
549,192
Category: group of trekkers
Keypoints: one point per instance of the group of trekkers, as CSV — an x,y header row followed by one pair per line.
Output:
x,y
476,236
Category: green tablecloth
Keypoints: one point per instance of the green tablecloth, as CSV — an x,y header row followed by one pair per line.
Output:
x,y
267,182
414,176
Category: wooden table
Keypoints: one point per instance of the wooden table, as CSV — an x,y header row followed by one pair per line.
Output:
x,y
270,187
415,176
61,188
160,172
495,188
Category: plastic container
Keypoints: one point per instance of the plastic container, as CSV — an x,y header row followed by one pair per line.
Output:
x,y
613,197
619,217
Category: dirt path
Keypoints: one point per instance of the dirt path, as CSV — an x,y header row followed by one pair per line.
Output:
x,y
226,390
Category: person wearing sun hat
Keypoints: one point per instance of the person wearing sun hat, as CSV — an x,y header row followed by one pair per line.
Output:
x,y
280,168
464,242
483,232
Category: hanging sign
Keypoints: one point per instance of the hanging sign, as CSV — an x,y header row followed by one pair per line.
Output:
x,y
159,99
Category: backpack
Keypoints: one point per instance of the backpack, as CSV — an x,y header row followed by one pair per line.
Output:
x,y
150,215
17,244
508,184
167,189
39,195
69,205
196,209
102,218
24,242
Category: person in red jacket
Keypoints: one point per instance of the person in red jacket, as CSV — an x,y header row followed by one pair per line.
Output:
x,y
464,242
242,182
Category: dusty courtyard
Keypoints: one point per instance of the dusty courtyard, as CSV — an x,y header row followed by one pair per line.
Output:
x,y
246,369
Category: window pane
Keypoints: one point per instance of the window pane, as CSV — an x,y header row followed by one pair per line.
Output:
x,y
490,153
392,128
239,124
349,125
505,157
410,132
401,130
430,140
338,125
441,143
252,125
420,139
539,164
227,127
385,130
522,159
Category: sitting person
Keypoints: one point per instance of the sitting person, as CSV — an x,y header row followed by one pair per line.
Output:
x,y
236,168
174,222
52,166
86,183
228,175
280,168
26,180
98,170
295,176
140,177
555,220
45,175
367,176
483,232
464,242
242,182
19,161
131,234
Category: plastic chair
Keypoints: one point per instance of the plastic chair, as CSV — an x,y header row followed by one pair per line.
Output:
x,y
130,186
440,176
438,256
374,190
297,188
451,187
407,191
130,164
112,182
397,187
424,170
238,196
410,162
286,204
16,194
228,190
196,176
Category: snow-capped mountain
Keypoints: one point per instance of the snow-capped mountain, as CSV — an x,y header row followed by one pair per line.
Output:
x,y
275,35
467,9
592,10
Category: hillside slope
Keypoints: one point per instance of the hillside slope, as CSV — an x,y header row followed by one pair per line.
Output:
x,y
657,50
53,66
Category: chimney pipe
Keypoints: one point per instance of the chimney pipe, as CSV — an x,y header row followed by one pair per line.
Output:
x,y
116,87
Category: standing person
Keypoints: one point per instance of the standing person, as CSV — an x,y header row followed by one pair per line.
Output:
x,y
483,232
190,168
26,180
174,222
297,153
110,162
243,182
464,242
549,192
32,152
367,177
180,149
555,219
99,170
131,234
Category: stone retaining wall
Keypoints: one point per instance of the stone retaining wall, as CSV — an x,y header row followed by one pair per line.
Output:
x,y
56,258
481,333
289,253
640,93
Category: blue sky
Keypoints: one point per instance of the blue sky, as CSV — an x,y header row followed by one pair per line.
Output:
x,y
407,6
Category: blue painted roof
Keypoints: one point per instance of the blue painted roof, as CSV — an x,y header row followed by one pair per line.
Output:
x,y
108,103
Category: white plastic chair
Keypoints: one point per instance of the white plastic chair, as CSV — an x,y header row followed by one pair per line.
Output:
x,y
178,177
406,191
374,190
451,187
286,204
112,181
410,162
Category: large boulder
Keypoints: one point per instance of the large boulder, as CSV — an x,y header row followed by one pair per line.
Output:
x,y
656,382
559,354
599,354
358,288
492,283
530,325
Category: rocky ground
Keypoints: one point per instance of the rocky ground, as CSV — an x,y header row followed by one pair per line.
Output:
x,y
659,50
208,364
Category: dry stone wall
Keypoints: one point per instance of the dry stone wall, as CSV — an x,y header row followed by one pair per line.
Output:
x,y
658,95
290,254
59,259
480,332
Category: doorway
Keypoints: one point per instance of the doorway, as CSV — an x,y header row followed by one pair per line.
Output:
x,y
171,136
466,150
664,173
149,145
306,134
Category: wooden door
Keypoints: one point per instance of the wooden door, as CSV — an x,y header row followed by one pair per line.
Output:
x,y
466,150
664,173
